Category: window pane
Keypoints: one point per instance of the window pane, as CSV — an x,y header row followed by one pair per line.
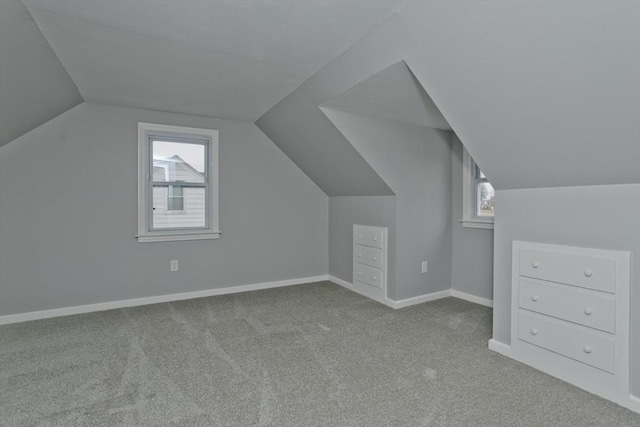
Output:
x,y
179,207
486,199
175,202
178,161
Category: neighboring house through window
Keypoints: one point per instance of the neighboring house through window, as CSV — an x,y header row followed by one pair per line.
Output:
x,y
177,183
478,195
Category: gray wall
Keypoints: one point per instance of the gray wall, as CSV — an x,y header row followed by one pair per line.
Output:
x,y
34,86
604,217
416,163
377,211
68,203
472,248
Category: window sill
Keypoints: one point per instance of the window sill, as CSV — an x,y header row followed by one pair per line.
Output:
x,y
177,237
474,223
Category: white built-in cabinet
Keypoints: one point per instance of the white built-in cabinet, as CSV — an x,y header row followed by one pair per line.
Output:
x,y
370,261
570,315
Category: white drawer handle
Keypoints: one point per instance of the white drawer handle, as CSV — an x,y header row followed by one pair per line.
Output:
x,y
587,349
359,273
375,239
588,273
374,277
359,255
375,259
588,311
534,332
535,264
359,237
534,298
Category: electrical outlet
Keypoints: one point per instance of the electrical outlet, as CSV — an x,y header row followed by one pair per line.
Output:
x,y
424,266
174,265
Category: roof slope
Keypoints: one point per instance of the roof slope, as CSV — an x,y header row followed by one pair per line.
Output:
x,y
230,59
542,94
34,86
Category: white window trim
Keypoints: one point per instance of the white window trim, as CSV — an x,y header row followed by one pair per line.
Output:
x,y
145,234
469,220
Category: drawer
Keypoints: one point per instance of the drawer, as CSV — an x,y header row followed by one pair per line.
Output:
x,y
369,275
586,271
585,345
369,236
587,308
367,255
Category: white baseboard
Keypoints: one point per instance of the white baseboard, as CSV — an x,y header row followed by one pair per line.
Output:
x,y
472,298
419,299
89,308
634,404
395,303
500,347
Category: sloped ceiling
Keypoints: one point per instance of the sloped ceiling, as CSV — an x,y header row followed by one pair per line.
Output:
x,y
394,94
542,94
34,86
231,59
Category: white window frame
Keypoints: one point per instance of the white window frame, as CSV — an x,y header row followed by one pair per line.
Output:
x,y
469,196
145,184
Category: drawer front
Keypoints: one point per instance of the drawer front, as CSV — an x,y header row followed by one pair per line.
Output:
x,y
367,255
585,345
368,236
584,307
369,275
586,271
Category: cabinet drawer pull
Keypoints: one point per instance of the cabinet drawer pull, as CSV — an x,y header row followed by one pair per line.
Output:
x,y
588,311
534,332
375,239
587,349
588,273
374,277
534,298
536,264
375,258
359,273
359,255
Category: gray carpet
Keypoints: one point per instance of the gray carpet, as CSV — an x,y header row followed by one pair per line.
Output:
x,y
310,355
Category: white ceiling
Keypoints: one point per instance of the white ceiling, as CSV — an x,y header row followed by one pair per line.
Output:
x,y
227,58
394,94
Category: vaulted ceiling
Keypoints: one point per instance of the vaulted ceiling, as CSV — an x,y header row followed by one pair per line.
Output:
x,y
34,86
542,94
231,59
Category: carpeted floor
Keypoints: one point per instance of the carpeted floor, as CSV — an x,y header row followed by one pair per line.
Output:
x,y
310,355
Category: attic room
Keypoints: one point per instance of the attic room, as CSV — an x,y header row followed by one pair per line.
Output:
x,y
319,213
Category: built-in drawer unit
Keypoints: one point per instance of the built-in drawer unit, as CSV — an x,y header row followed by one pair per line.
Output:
x,y
368,236
570,316
367,255
369,275
586,345
370,261
594,309
575,269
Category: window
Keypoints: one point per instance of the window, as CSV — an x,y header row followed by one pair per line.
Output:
x,y
479,196
175,200
177,183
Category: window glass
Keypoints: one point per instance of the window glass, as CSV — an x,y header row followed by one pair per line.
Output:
x,y
178,161
486,199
